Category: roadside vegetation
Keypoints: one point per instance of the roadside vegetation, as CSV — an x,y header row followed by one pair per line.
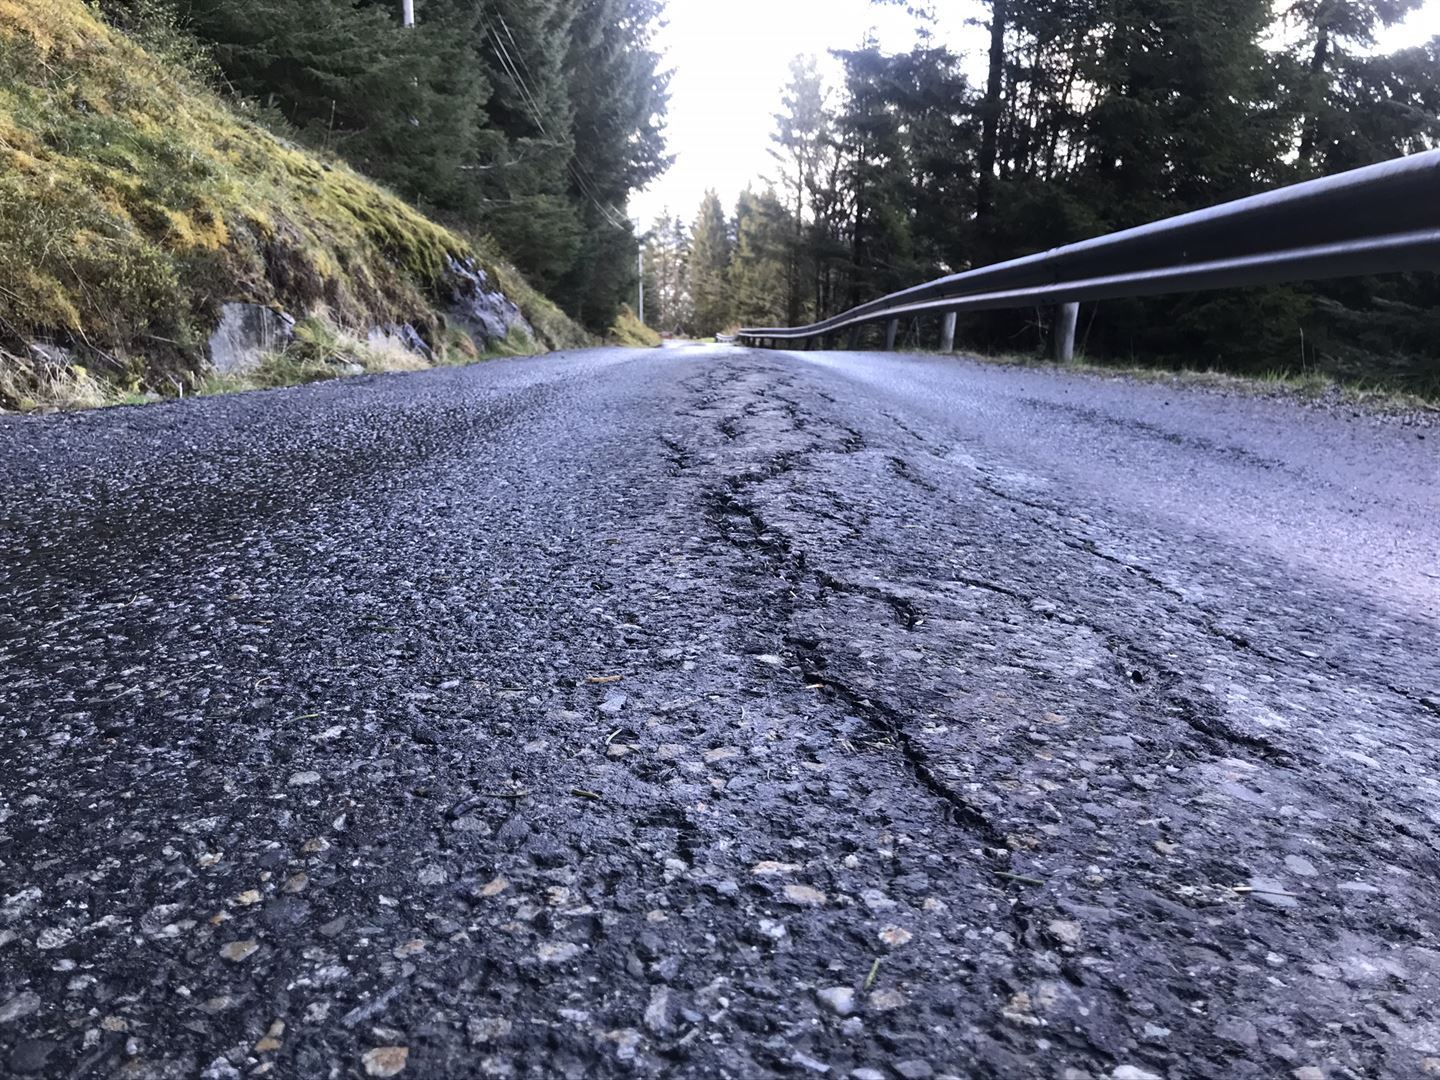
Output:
x,y
630,331
133,201
1376,396
136,200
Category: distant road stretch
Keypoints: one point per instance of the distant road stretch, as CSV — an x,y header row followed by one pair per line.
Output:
x,y
707,712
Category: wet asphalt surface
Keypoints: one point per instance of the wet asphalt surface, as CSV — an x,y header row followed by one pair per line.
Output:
x,y
712,713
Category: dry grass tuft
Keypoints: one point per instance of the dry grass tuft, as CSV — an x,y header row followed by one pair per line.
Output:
x,y
631,332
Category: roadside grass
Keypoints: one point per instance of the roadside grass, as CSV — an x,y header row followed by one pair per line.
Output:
x,y
32,387
324,350
320,350
131,195
1308,386
555,329
457,348
630,332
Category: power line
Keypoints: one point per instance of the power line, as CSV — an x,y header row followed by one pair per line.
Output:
x,y
526,65
582,177
528,99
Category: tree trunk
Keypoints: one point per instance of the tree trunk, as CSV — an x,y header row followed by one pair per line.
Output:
x,y
1311,133
990,111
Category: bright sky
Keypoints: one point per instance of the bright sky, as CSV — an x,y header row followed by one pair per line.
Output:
x,y
731,60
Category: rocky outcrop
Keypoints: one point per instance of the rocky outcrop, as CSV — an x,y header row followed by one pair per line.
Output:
x,y
481,309
399,336
469,300
245,334
51,356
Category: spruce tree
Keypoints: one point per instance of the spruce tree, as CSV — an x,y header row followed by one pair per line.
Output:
x,y
759,264
667,254
523,181
799,146
870,136
991,108
1334,31
618,95
709,266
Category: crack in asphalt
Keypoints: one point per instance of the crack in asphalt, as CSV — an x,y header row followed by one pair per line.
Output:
x,y
1136,665
727,505
906,613
889,722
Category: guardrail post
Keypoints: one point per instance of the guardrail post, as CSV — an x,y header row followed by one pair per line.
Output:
x,y
947,333
1066,318
892,328
854,342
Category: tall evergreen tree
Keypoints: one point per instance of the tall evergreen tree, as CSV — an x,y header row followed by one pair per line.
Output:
x,y
1184,119
524,182
991,108
667,257
618,93
759,265
799,147
936,111
870,137
530,120
1332,29
709,268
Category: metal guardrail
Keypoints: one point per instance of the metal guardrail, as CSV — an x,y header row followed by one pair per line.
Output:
x,y
1373,220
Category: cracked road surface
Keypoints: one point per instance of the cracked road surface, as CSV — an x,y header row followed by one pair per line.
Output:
x,y
712,713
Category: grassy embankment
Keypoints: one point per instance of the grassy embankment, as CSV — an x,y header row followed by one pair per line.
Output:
x,y
1317,387
630,332
134,202
1379,393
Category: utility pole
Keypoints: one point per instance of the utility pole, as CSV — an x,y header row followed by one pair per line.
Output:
x,y
408,16
640,266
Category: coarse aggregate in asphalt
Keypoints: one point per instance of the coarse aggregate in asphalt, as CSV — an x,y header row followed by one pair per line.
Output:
x,y
717,713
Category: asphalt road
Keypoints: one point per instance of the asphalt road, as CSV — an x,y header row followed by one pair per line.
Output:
x,y
712,713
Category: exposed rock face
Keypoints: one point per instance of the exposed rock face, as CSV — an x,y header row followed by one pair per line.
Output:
x,y
399,336
482,310
249,331
245,334
53,356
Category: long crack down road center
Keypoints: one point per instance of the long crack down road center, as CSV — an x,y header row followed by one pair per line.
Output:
x,y
716,713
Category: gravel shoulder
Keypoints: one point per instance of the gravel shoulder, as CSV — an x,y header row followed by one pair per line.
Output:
x,y
713,713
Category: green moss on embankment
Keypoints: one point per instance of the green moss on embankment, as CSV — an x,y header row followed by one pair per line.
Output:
x,y
134,202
